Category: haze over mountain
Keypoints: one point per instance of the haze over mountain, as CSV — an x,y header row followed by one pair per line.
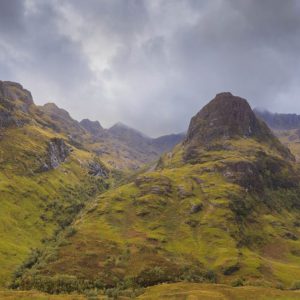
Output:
x,y
279,121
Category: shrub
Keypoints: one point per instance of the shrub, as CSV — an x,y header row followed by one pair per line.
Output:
x,y
296,285
56,284
238,282
151,276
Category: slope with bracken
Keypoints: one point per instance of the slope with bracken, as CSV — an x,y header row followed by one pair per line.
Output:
x,y
223,206
286,127
44,180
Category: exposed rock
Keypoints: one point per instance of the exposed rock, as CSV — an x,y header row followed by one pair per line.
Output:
x,y
14,104
160,185
183,193
264,172
192,223
196,208
97,169
6,119
231,269
227,117
57,153
15,91
290,236
93,127
61,121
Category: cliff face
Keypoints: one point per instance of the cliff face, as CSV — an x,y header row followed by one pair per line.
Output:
x,y
228,117
15,103
57,152
15,91
225,117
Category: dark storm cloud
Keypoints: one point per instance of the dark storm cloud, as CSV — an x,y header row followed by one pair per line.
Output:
x,y
152,64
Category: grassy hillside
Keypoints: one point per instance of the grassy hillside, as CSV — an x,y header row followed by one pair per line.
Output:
x,y
195,222
224,211
34,205
290,138
178,291
222,207
34,295
187,291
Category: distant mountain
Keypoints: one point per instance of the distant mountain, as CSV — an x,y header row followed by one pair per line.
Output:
x,y
279,121
120,146
167,142
135,139
131,137
93,127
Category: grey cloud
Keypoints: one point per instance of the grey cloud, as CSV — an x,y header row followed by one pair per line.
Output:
x,y
11,17
152,64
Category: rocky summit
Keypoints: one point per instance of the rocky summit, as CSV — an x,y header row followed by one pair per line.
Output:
x,y
225,117
228,117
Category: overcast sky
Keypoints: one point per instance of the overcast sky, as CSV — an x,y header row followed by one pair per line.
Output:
x,y
152,64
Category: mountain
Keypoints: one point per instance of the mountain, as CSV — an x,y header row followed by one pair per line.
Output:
x,y
44,179
286,127
50,167
123,147
167,142
120,147
221,207
279,121
224,118
93,127
151,147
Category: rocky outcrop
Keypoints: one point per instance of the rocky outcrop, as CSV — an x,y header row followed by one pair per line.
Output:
x,y
6,119
61,121
97,169
15,91
224,118
92,127
57,152
14,104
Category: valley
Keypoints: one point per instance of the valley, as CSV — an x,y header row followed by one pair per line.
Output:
x,y
93,213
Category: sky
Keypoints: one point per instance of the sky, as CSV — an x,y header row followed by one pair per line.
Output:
x,y
152,64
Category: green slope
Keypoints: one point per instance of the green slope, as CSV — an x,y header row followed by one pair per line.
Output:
x,y
35,204
225,210
187,291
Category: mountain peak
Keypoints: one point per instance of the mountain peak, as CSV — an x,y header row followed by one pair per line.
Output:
x,y
55,111
229,117
15,91
93,127
120,125
226,116
119,129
